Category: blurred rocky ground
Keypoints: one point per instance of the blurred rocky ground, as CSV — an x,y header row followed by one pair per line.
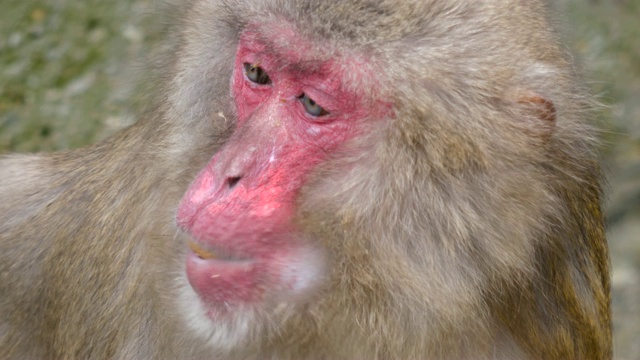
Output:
x,y
70,74
605,36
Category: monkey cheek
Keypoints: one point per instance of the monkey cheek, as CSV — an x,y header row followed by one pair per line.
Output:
x,y
303,273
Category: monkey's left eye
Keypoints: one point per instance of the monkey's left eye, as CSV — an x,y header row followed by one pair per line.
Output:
x,y
311,107
256,74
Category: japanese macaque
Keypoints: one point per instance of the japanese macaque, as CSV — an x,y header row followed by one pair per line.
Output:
x,y
356,179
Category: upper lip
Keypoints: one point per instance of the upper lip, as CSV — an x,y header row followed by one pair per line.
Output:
x,y
208,252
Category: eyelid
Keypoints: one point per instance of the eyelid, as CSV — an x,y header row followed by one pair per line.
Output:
x,y
304,97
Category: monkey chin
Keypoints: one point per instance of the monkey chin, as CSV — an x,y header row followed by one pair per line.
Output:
x,y
230,302
222,334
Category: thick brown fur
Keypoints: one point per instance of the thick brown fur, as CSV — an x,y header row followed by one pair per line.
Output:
x,y
468,226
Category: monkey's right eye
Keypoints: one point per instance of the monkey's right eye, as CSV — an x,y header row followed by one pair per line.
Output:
x,y
256,74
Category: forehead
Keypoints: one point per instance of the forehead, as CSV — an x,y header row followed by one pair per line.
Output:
x,y
283,43
286,47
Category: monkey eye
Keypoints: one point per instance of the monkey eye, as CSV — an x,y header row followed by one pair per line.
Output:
x,y
256,74
311,107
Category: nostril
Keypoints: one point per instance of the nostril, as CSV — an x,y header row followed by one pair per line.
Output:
x,y
233,181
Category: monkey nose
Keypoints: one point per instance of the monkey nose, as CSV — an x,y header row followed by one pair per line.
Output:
x,y
232,181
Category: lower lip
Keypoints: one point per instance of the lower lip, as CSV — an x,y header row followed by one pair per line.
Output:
x,y
220,283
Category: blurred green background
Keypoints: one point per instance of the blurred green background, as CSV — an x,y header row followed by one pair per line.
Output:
x,y
71,73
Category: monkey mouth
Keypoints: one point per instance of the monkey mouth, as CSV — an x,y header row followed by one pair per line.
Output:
x,y
211,253
221,277
200,252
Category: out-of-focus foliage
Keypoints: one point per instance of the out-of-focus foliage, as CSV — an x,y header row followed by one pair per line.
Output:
x,y
66,70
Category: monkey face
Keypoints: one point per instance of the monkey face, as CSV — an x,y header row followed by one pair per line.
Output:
x,y
293,114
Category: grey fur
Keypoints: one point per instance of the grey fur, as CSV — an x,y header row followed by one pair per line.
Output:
x,y
461,229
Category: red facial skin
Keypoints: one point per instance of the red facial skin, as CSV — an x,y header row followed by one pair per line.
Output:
x,y
241,205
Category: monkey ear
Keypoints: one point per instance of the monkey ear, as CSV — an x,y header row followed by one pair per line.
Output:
x,y
540,113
